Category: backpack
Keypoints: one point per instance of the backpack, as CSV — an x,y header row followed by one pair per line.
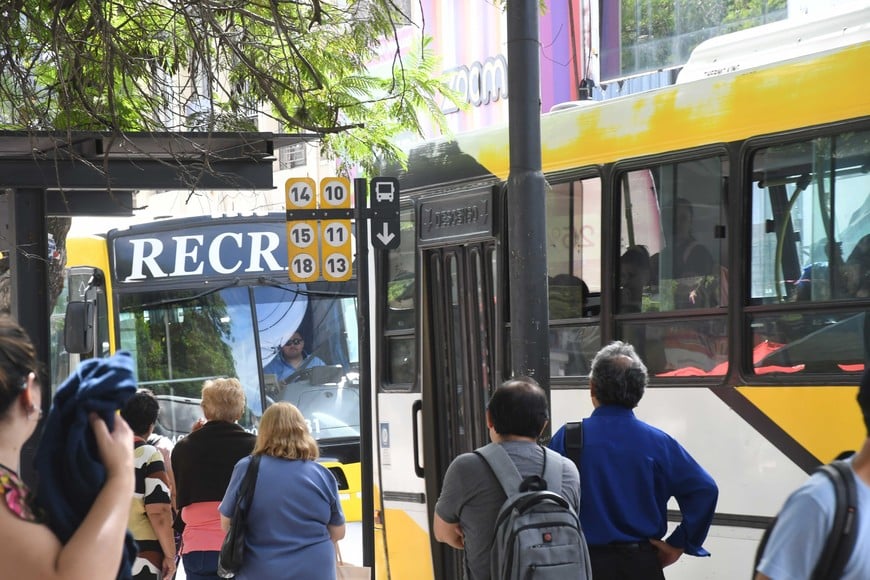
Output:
x,y
841,539
537,532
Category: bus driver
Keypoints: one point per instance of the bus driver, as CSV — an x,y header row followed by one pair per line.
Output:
x,y
291,358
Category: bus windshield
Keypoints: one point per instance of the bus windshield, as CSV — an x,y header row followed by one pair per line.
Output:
x,y
284,342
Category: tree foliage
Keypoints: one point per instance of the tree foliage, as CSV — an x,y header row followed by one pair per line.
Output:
x,y
168,65
120,66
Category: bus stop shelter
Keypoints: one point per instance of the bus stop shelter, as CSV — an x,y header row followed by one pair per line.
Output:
x,y
51,174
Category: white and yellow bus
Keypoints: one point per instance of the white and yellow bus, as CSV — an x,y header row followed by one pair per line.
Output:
x,y
198,298
760,164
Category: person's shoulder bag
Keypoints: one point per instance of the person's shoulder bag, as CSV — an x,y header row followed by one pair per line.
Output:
x,y
233,548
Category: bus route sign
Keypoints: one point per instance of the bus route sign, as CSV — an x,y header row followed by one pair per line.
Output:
x,y
335,246
302,235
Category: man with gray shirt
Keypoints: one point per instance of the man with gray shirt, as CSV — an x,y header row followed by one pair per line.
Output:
x,y
470,499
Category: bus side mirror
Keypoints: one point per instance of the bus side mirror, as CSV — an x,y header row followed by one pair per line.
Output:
x,y
78,334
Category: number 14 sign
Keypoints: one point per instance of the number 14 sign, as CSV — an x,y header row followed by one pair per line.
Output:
x,y
314,246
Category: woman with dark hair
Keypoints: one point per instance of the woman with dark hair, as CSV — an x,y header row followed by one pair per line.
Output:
x,y
28,548
295,515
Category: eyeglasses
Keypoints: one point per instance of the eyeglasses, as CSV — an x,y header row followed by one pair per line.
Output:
x,y
294,341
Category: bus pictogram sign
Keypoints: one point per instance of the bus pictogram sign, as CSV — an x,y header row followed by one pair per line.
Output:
x,y
384,202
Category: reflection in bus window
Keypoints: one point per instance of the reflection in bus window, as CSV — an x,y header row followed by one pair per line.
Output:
x,y
672,251
400,283
691,347
810,342
810,254
399,308
676,214
810,210
574,285
180,338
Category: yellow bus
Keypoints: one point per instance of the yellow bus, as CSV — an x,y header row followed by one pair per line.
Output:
x,y
199,298
719,224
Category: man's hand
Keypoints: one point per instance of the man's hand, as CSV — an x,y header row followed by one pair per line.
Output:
x,y
667,553
450,534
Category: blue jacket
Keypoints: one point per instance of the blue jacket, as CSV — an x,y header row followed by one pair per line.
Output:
x,y
67,461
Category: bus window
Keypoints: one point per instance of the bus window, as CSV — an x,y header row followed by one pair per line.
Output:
x,y
672,250
810,254
180,338
400,309
305,333
574,264
810,211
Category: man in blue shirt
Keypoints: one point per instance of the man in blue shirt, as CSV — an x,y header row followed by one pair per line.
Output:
x,y
628,472
290,358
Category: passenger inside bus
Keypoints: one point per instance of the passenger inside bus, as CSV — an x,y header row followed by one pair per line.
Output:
x,y
634,279
837,279
568,295
696,280
691,257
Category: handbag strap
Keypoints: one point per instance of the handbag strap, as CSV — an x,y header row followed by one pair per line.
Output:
x,y
249,483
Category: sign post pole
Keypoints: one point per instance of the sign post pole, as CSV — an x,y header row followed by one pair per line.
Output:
x,y
366,452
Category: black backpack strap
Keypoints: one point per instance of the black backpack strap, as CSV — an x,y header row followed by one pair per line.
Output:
x,y
841,539
502,466
574,441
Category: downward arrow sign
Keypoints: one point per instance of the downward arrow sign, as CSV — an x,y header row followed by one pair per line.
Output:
x,y
385,237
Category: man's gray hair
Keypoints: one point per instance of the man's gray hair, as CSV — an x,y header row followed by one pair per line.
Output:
x,y
619,375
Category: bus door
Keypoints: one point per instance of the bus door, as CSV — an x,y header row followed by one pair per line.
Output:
x,y
458,352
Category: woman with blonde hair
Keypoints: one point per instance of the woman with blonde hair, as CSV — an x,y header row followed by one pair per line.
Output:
x,y
203,463
295,515
28,548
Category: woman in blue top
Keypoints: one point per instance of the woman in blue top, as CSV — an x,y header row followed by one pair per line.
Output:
x,y
295,515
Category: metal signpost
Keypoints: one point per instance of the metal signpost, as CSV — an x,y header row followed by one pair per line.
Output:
x,y
324,230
